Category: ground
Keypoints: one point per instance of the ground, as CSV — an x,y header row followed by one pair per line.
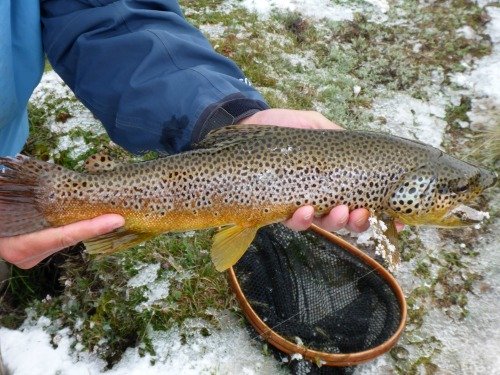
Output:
x,y
426,70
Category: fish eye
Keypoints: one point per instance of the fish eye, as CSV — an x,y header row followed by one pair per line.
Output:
x,y
459,186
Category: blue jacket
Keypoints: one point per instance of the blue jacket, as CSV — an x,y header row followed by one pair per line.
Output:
x,y
151,78
20,41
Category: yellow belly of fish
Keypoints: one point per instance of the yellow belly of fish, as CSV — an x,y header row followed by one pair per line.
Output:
x,y
172,221
229,244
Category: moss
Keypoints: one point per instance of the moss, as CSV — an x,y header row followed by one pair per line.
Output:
x,y
41,141
62,114
459,112
422,270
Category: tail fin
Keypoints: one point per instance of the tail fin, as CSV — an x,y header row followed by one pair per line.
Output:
x,y
20,180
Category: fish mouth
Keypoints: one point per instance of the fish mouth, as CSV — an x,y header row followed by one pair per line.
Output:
x,y
463,215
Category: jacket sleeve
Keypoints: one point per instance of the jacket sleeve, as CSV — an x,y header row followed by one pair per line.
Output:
x,y
151,78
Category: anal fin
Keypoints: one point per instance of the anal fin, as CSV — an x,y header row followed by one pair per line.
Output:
x,y
230,244
117,240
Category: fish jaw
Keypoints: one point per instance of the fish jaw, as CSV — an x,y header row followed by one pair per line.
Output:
x,y
463,215
458,216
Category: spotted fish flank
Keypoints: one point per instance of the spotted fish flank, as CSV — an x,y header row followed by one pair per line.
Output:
x,y
244,177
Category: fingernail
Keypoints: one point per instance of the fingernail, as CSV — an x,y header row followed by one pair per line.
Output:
x,y
344,219
360,222
116,223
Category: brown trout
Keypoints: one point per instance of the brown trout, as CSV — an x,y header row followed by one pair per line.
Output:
x,y
242,178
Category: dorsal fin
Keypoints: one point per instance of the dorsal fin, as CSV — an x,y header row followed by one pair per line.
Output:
x,y
100,162
229,135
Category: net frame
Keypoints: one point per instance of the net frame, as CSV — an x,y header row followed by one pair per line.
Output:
x,y
329,359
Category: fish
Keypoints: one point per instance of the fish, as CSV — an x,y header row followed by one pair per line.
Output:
x,y
241,178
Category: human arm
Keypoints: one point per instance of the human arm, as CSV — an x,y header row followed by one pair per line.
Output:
x,y
152,79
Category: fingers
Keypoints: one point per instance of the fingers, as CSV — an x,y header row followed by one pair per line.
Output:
x,y
301,219
358,220
27,250
335,220
338,218
321,122
290,118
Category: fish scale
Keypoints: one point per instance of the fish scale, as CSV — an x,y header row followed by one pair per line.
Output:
x,y
245,176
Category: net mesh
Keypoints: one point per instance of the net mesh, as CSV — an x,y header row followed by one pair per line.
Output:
x,y
312,291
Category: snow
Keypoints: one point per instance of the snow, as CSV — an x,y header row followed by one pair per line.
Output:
x,y
156,287
199,355
484,80
51,86
76,146
375,235
318,8
52,90
310,8
29,350
306,59
213,31
412,118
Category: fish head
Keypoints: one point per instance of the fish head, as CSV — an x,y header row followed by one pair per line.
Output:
x,y
437,193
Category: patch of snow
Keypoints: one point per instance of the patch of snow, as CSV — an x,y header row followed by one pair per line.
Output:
x,y
380,365
479,329
29,350
51,88
156,287
309,8
76,146
412,118
484,80
213,31
305,59
147,274
319,8
468,33
382,5
182,351
376,10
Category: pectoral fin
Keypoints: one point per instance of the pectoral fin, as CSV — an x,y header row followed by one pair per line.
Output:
x,y
117,240
230,244
392,235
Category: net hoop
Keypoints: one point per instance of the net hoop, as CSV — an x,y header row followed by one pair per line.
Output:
x,y
328,359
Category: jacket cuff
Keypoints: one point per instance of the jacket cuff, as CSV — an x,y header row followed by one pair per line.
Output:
x,y
229,111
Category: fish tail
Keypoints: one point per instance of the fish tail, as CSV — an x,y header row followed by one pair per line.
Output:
x,y
20,183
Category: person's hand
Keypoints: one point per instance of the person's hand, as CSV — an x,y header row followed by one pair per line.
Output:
x,y
291,118
339,217
27,250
